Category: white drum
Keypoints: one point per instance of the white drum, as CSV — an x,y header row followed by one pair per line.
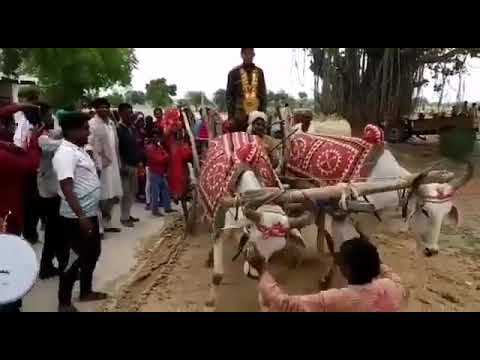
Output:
x,y
18,268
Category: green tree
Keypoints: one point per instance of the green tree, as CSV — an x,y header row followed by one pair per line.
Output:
x,y
270,97
88,98
282,98
182,102
116,98
67,74
303,102
195,98
135,97
220,99
159,93
379,84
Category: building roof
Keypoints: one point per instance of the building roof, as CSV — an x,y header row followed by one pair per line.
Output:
x,y
22,80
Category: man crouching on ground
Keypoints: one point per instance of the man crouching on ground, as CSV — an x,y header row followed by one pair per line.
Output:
x,y
372,286
80,193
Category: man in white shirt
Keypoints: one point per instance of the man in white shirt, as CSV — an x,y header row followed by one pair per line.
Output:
x,y
104,143
47,182
24,128
80,190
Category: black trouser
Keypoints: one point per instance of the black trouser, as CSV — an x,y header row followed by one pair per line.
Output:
x,y
240,122
31,209
88,249
53,231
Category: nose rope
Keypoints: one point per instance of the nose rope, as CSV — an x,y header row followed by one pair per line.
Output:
x,y
277,230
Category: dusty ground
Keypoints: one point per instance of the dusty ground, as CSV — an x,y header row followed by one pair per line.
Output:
x,y
171,275
116,261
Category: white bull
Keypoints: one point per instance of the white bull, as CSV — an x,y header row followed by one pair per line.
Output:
x,y
428,206
268,227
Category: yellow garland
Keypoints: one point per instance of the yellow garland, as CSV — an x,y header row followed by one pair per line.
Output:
x,y
250,102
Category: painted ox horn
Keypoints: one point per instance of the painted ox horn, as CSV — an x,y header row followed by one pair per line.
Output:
x,y
301,221
457,183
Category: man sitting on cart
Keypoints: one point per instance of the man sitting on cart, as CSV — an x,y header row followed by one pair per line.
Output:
x,y
257,125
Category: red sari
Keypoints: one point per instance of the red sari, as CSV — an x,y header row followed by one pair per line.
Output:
x,y
180,154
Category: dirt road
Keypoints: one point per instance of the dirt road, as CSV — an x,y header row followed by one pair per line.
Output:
x,y
172,276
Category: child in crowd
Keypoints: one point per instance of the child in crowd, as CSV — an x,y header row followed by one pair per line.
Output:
x,y
157,162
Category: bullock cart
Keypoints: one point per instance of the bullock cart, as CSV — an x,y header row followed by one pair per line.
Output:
x,y
420,125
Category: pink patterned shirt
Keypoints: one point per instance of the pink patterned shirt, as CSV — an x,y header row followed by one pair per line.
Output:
x,y
384,294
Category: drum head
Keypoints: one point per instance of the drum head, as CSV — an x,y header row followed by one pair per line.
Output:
x,y
18,268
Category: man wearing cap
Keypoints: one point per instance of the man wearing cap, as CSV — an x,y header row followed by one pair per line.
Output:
x,y
246,91
80,190
302,119
257,125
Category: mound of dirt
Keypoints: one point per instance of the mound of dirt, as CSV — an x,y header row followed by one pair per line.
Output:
x,y
153,267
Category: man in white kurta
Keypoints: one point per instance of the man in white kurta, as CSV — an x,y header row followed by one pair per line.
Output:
x,y
104,143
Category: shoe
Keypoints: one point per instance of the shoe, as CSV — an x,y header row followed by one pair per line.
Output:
x,y
157,213
112,230
169,211
147,207
67,308
134,219
93,296
48,273
127,223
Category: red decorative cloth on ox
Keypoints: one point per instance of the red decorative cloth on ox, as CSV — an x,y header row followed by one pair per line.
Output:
x,y
228,156
328,160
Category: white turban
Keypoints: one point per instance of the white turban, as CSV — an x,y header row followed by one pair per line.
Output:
x,y
254,115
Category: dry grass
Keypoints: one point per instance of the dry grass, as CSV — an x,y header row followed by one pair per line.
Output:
x,y
330,125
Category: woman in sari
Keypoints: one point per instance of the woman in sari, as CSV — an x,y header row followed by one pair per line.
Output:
x,y
180,153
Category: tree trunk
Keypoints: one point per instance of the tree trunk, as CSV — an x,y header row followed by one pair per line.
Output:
x,y
371,85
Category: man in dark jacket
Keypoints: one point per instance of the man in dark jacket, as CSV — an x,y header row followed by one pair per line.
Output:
x,y
130,158
246,91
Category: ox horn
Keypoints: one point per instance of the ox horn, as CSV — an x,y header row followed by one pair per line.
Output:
x,y
301,221
419,179
252,215
457,183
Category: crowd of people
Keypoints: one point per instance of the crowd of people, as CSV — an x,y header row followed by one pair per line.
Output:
x,y
67,171
70,170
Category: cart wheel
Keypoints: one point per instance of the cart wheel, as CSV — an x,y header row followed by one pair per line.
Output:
x,y
396,134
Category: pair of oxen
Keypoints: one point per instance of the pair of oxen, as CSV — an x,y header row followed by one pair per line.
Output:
x,y
272,218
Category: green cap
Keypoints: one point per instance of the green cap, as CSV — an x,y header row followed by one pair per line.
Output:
x,y
72,119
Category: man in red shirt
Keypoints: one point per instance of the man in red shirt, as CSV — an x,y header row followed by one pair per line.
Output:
x,y
16,166
157,161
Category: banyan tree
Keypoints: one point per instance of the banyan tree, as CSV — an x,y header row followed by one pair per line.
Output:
x,y
377,85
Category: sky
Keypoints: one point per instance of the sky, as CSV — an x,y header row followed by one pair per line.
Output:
x,y
206,69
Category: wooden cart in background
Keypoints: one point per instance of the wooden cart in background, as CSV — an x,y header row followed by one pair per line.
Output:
x,y
421,125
